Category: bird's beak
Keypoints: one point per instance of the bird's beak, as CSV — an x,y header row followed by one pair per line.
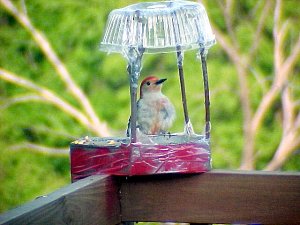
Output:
x,y
160,81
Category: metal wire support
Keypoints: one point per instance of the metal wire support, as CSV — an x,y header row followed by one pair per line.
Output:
x,y
182,84
188,128
203,54
134,57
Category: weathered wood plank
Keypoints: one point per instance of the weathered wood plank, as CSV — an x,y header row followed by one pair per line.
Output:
x,y
213,197
93,200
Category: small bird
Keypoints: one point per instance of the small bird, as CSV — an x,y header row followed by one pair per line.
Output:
x,y
155,112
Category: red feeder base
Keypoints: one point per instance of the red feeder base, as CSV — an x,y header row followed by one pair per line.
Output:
x,y
162,154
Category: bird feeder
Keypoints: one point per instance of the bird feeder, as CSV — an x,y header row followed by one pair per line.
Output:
x,y
151,28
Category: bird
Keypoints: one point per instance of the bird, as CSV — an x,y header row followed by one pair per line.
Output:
x,y
155,112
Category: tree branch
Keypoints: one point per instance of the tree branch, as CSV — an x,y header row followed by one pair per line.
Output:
x,y
62,71
232,50
282,69
283,152
259,29
47,130
228,47
297,120
290,137
227,13
242,62
277,38
41,148
19,99
50,97
287,110
290,62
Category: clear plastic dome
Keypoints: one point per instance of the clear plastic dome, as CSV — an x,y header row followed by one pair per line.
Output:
x,y
158,27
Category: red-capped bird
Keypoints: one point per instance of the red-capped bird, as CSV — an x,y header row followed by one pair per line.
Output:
x,y
155,112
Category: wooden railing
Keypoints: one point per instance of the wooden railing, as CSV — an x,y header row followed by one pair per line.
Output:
x,y
213,197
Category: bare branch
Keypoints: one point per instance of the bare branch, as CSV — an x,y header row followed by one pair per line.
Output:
x,y
290,62
227,13
291,126
41,148
287,110
49,96
282,69
277,16
286,147
24,6
239,61
19,99
260,80
54,132
259,29
62,71
226,44
297,120
264,105
290,139
277,38
237,58
280,77
229,48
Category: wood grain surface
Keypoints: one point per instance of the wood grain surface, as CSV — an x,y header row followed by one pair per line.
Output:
x,y
213,197
237,197
93,200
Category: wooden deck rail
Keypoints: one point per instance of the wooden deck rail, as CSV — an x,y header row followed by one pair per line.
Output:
x,y
213,197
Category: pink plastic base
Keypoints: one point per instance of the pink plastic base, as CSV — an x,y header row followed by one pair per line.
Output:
x,y
106,156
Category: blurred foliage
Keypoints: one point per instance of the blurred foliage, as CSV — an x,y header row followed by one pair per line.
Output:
x,y
75,28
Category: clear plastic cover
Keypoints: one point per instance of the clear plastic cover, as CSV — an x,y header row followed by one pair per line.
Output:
x,y
176,153
158,27
149,27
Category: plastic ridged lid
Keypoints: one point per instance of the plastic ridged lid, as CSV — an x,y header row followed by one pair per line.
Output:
x,y
158,27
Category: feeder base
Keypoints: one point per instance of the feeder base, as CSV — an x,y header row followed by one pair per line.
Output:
x,y
117,156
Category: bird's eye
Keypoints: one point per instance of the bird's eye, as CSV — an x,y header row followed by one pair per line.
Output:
x,y
148,83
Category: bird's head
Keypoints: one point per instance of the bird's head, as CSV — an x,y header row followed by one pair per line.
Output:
x,y
151,84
